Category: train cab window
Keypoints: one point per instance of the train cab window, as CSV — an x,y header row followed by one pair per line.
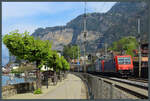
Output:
x,y
127,60
120,60
124,60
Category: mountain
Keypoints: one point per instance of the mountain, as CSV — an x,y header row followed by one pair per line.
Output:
x,y
119,21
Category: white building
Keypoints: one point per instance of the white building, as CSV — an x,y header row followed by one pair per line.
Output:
x,y
46,68
84,58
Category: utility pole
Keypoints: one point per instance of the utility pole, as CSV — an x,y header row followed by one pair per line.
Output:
x,y
105,50
73,57
85,34
78,59
98,43
139,40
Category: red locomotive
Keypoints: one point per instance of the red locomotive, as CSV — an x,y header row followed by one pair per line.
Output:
x,y
119,65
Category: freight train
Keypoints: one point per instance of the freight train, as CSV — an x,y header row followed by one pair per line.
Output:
x,y
121,66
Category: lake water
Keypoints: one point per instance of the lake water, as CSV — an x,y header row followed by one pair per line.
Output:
x,y
15,80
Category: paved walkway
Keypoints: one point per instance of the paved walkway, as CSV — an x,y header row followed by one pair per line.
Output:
x,y
70,88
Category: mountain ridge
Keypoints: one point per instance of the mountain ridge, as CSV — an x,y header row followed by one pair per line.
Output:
x,y
119,21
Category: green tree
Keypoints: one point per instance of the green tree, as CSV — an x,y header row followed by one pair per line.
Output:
x,y
127,44
52,60
58,64
65,64
26,47
71,52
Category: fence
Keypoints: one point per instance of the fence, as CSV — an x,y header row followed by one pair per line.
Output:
x,y
25,87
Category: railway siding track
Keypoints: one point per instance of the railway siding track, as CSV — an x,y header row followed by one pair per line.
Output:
x,y
138,80
134,83
114,88
133,89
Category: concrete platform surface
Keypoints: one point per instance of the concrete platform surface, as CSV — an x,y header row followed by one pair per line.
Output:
x,y
70,88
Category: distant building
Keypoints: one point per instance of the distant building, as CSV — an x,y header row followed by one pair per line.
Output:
x,y
59,54
144,51
84,58
45,68
144,60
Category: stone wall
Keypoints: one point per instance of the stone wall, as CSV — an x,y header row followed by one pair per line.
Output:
x,y
11,90
101,89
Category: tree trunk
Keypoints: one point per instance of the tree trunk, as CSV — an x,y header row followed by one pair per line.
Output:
x,y
38,76
55,78
65,74
60,75
26,75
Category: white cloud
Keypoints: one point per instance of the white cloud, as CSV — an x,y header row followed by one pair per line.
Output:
x,y
100,6
21,9
21,27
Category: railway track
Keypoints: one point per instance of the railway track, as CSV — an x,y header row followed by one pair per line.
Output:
x,y
134,83
132,87
138,80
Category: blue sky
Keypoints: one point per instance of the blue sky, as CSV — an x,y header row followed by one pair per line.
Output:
x,y
30,16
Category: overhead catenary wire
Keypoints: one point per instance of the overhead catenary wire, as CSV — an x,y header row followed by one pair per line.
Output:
x,y
85,29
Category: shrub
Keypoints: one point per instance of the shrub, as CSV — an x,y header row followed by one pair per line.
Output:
x,y
38,91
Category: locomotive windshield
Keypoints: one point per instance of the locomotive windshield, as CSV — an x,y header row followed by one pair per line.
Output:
x,y
124,60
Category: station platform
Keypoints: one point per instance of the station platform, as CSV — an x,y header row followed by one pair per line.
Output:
x,y
70,88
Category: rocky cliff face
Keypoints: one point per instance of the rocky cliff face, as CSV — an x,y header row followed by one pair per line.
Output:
x,y
59,38
119,21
